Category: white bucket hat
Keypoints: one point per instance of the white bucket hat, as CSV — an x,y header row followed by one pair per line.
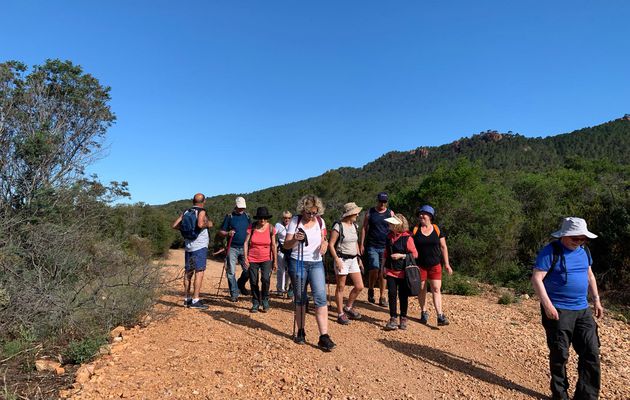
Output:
x,y
393,220
573,226
240,203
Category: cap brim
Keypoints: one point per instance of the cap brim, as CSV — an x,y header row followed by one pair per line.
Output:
x,y
393,221
560,233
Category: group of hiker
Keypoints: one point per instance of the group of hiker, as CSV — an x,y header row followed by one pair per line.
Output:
x,y
396,256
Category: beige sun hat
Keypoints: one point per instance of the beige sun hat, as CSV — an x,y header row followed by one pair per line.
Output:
x,y
351,209
393,221
573,226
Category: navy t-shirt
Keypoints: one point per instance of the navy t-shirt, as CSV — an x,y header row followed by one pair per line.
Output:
x,y
567,291
238,222
378,228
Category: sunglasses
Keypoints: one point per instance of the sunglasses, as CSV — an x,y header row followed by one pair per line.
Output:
x,y
578,239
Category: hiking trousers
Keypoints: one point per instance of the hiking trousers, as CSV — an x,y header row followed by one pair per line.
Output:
x,y
236,255
259,295
577,328
397,287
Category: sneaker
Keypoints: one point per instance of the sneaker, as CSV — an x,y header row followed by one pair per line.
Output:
x,y
424,317
343,319
199,305
442,320
403,323
392,325
371,296
187,302
265,306
383,302
352,314
301,337
255,307
325,343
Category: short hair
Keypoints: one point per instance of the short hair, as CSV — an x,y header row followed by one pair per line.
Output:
x,y
287,214
403,227
309,201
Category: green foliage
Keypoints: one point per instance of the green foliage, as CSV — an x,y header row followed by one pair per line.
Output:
x,y
81,351
459,285
507,298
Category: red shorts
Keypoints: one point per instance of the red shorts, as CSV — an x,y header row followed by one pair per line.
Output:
x,y
433,273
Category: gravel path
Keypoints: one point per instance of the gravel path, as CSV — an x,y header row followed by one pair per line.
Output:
x,y
489,351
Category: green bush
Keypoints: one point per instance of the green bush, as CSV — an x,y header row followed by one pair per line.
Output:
x,y
459,285
507,298
84,350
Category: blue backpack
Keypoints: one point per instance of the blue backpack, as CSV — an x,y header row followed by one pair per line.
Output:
x,y
188,227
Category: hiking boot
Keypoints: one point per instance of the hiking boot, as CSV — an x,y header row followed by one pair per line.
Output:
x,y
187,302
383,302
403,323
442,320
371,296
234,299
199,305
352,314
241,288
424,317
301,337
290,294
255,307
325,343
392,325
265,306
343,319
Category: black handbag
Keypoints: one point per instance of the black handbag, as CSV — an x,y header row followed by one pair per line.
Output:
x,y
412,276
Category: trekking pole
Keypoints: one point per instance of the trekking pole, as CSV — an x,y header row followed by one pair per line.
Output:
x,y
227,254
298,279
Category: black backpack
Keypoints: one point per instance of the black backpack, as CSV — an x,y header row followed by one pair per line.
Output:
x,y
558,255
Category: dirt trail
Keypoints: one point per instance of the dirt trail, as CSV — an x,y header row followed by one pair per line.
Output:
x,y
488,352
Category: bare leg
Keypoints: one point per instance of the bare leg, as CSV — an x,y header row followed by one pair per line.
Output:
x,y
422,296
198,280
341,285
187,280
436,287
321,315
358,287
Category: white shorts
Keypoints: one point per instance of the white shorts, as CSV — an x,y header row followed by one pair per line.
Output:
x,y
350,265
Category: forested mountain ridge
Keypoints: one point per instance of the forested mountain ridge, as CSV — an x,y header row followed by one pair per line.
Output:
x,y
398,170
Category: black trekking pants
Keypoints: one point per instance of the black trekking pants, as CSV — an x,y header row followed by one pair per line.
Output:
x,y
397,287
577,328
265,267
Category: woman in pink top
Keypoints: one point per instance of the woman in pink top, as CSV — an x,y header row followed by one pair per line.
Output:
x,y
260,254
398,247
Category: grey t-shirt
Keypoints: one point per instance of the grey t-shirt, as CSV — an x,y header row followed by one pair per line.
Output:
x,y
350,239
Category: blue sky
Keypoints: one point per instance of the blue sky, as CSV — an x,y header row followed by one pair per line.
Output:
x,y
235,96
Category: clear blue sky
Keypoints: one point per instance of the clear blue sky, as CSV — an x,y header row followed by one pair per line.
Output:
x,y
261,93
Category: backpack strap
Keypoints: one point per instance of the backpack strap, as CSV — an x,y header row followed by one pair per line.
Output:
x,y
588,255
557,255
341,236
435,228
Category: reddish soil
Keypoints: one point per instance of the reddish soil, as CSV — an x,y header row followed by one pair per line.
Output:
x,y
489,351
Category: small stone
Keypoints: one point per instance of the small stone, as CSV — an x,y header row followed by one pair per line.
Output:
x,y
117,331
117,339
339,368
60,371
46,365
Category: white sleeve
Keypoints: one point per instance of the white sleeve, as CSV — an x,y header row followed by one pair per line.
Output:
x,y
335,227
292,226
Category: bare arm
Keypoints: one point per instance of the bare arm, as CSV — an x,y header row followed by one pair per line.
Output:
x,y
203,221
364,229
592,289
274,249
537,282
246,247
444,248
177,222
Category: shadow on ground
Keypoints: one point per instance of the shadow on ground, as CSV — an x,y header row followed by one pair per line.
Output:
x,y
451,362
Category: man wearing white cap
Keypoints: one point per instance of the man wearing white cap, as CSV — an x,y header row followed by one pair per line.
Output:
x,y
235,226
562,278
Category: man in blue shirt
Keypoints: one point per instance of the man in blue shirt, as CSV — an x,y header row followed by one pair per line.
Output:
x,y
562,278
235,227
